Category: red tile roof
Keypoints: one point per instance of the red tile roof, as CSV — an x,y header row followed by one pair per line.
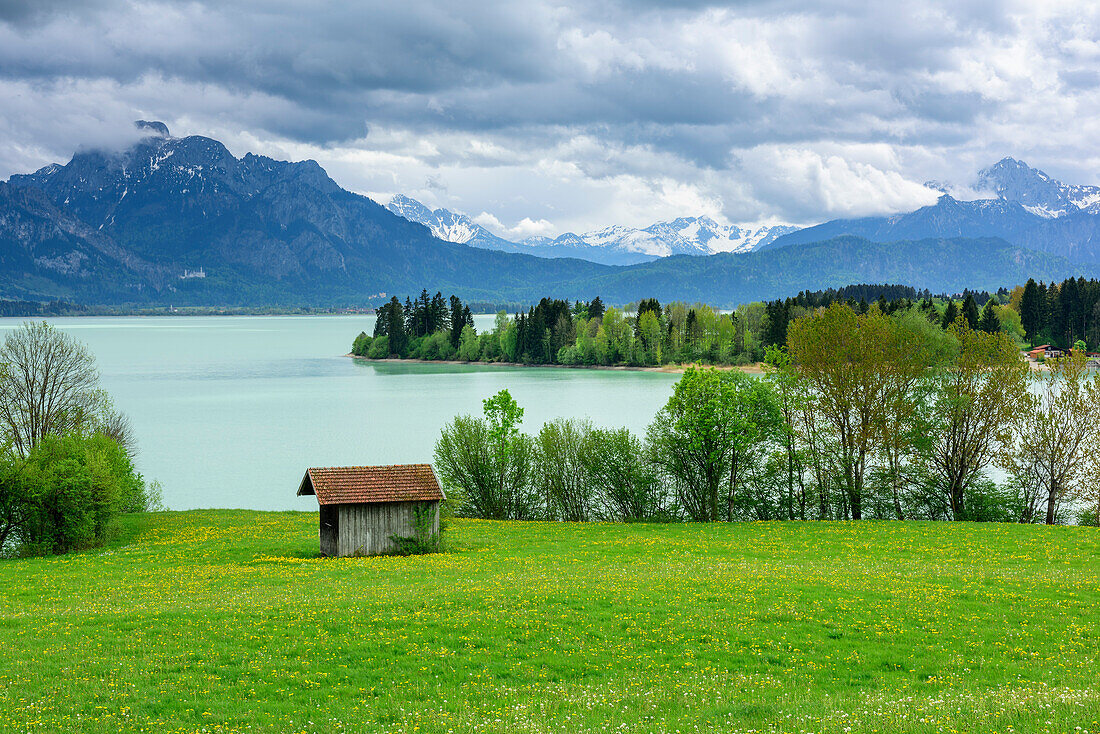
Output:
x,y
343,485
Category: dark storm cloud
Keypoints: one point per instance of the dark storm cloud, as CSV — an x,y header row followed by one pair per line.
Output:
x,y
308,54
23,12
791,86
478,67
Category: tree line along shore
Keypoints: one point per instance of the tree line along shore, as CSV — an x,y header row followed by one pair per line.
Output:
x,y
649,334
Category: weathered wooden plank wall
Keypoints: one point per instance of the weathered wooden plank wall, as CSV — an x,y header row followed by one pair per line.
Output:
x,y
330,518
365,529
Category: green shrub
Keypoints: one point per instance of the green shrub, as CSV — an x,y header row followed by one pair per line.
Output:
x,y
379,347
625,483
560,453
1089,516
73,488
490,347
425,538
469,347
569,355
361,345
988,502
435,346
486,464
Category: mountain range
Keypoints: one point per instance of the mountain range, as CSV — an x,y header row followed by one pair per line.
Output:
x,y
1030,209
183,221
1020,204
613,245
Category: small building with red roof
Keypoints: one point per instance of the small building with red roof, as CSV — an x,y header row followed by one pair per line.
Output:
x,y
364,507
1039,351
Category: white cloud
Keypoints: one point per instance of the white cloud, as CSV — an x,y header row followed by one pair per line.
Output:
x,y
489,222
526,227
831,183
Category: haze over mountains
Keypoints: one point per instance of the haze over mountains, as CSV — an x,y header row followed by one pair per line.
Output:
x,y
182,221
613,245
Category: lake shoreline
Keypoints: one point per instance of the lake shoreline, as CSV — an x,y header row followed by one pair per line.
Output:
x,y
751,369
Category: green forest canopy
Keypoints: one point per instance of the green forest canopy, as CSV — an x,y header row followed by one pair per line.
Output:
x,y
648,333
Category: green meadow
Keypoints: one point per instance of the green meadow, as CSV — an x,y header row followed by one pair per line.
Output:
x,y
220,621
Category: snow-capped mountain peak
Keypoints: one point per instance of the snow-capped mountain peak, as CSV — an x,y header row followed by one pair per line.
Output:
x,y
1035,191
444,224
410,209
703,235
616,244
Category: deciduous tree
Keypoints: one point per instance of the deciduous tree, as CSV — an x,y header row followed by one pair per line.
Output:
x,y
704,438
625,483
1055,430
49,385
848,361
976,399
487,462
561,469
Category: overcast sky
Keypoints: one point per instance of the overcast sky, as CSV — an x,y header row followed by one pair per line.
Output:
x,y
544,117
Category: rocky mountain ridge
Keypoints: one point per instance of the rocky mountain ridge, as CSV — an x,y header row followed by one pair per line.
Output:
x,y
127,226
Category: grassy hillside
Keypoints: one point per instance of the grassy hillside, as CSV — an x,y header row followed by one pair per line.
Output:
x,y
226,621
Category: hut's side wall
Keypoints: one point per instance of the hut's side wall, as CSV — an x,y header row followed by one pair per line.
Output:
x,y
330,520
365,529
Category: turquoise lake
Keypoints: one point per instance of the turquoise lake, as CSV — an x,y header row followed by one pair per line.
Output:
x,y
229,411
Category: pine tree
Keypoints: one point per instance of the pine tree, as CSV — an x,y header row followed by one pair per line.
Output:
x,y
928,308
437,318
1069,301
970,312
1044,312
950,314
1031,310
382,318
521,337
649,304
777,317
395,329
595,308
691,328
410,317
532,343
457,321
989,322
1055,323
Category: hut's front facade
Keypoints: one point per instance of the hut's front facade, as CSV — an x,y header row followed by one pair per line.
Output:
x,y
363,507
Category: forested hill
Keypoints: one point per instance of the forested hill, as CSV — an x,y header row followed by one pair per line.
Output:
x,y
182,221
939,265
1075,235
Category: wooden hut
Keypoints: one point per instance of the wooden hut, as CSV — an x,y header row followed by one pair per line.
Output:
x,y
362,507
